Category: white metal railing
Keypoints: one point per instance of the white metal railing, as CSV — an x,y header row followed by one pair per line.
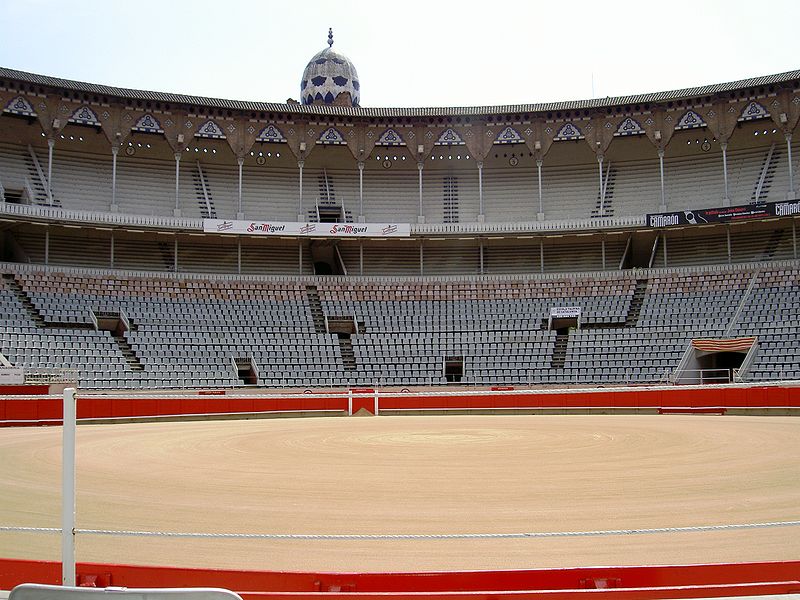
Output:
x,y
740,373
28,191
638,273
41,375
53,213
704,376
93,319
125,321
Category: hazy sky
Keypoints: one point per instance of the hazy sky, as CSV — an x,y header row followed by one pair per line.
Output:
x,y
408,53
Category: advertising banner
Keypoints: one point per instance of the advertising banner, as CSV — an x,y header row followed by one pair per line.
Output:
x,y
565,312
295,229
12,375
728,214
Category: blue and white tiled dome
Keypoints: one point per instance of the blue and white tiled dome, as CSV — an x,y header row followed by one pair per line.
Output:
x,y
327,75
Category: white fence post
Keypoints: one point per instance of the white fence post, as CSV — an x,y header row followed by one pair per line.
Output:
x,y
349,403
377,409
68,490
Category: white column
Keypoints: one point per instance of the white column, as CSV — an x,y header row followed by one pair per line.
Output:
x,y
240,212
728,236
300,257
481,256
480,193
300,217
420,217
47,245
68,489
539,163
790,196
50,145
602,199
421,258
239,256
725,201
177,183
603,252
663,207
175,257
112,250
114,152
361,191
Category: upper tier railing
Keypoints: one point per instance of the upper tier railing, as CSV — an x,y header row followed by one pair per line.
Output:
x,y
60,215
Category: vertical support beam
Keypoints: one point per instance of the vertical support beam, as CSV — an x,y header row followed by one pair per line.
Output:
x,y
481,255
300,257
420,217
480,193
663,207
360,257
539,163
177,183
421,257
175,258
300,217
601,195
541,255
794,237
68,490
112,250
239,255
376,410
728,236
114,152
664,245
350,403
726,201
791,168
50,145
361,191
603,251
240,212
47,246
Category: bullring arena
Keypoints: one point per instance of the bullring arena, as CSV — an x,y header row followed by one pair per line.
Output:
x,y
544,350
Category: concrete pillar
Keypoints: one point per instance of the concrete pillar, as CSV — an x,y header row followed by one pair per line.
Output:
x,y
540,214
240,212
300,217
790,195
663,206
420,217
361,191
114,152
725,200
177,210
50,145
480,194
602,195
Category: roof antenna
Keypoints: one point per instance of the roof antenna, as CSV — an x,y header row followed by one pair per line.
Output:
x,y
330,37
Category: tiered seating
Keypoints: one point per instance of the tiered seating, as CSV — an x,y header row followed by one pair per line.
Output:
x,y
635,326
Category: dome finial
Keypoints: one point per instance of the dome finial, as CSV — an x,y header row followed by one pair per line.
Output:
x,y
330,37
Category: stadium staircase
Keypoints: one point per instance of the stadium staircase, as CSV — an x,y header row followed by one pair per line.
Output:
x,y
37,180
632,318
315,305
25,300
450,200
766,175
127,351
202,188
604,207
342,327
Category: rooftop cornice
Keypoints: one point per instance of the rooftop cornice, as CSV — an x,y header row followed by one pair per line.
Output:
x,y
299,109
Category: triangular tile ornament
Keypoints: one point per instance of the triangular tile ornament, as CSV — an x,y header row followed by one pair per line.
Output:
x,y
147,124
568,132
753,111
85,116
629,126
332,136
509,135
390,137
690,120
20,106
210,130
270,133
449,137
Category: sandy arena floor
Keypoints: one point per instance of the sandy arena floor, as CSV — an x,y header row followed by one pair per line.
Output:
x,y
474,474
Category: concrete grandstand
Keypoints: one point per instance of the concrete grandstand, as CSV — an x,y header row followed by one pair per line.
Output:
x,y
318,243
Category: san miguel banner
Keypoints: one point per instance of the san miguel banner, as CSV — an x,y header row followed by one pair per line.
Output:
x,y
728,214
286,228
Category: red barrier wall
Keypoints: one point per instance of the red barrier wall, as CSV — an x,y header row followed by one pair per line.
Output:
x,y
679,581
48,408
